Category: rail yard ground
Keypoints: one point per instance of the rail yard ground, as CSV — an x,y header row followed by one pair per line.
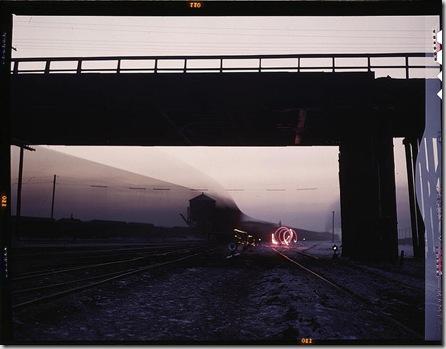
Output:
x,y
266,294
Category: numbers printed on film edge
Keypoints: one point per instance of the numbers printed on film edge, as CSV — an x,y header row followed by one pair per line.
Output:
x,y
4,200
195,4
3,49
4,255
306,341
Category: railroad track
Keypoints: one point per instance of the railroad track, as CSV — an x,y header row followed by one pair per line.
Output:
x,y
83,250
47,272
343,289
367,270
33,263
35,294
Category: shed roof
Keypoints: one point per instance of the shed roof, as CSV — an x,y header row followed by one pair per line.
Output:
x,y
202,197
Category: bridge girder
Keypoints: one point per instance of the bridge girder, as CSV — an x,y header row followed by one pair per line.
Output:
x,y
233,109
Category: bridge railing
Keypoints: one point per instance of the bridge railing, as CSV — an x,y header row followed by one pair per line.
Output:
x,y
219,64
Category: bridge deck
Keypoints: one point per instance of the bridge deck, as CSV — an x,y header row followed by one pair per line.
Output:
x,y
210,109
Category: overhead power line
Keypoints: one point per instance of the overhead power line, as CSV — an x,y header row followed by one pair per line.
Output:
x,y
183,32
216,27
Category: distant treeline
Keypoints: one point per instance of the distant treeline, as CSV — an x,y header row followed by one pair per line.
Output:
x,y
43,228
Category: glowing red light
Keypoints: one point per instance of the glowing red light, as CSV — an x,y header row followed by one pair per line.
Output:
x,y
284,236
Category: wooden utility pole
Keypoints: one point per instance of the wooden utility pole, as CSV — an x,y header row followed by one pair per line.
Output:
x,y
19,188
52,201
332,225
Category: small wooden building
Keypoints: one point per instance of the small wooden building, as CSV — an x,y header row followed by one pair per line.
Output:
x,y
202,210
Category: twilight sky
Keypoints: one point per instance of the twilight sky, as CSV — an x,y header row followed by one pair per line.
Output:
x,y
254,170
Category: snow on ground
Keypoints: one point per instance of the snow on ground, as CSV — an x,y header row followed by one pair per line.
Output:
x,y
410,271
324,248
257,296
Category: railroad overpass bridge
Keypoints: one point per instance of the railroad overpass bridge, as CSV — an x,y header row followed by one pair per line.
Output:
x,y
218,101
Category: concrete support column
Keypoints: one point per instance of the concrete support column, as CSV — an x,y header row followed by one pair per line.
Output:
x,y
412,198
387,214
368,199
420,220
359,200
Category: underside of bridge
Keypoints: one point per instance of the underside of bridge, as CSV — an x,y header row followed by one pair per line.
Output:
x,y
354,111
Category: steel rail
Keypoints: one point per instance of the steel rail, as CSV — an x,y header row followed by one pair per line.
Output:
x,y
309,270
38,288
361,268
303,253
113,250
36,274
83,287
352,294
